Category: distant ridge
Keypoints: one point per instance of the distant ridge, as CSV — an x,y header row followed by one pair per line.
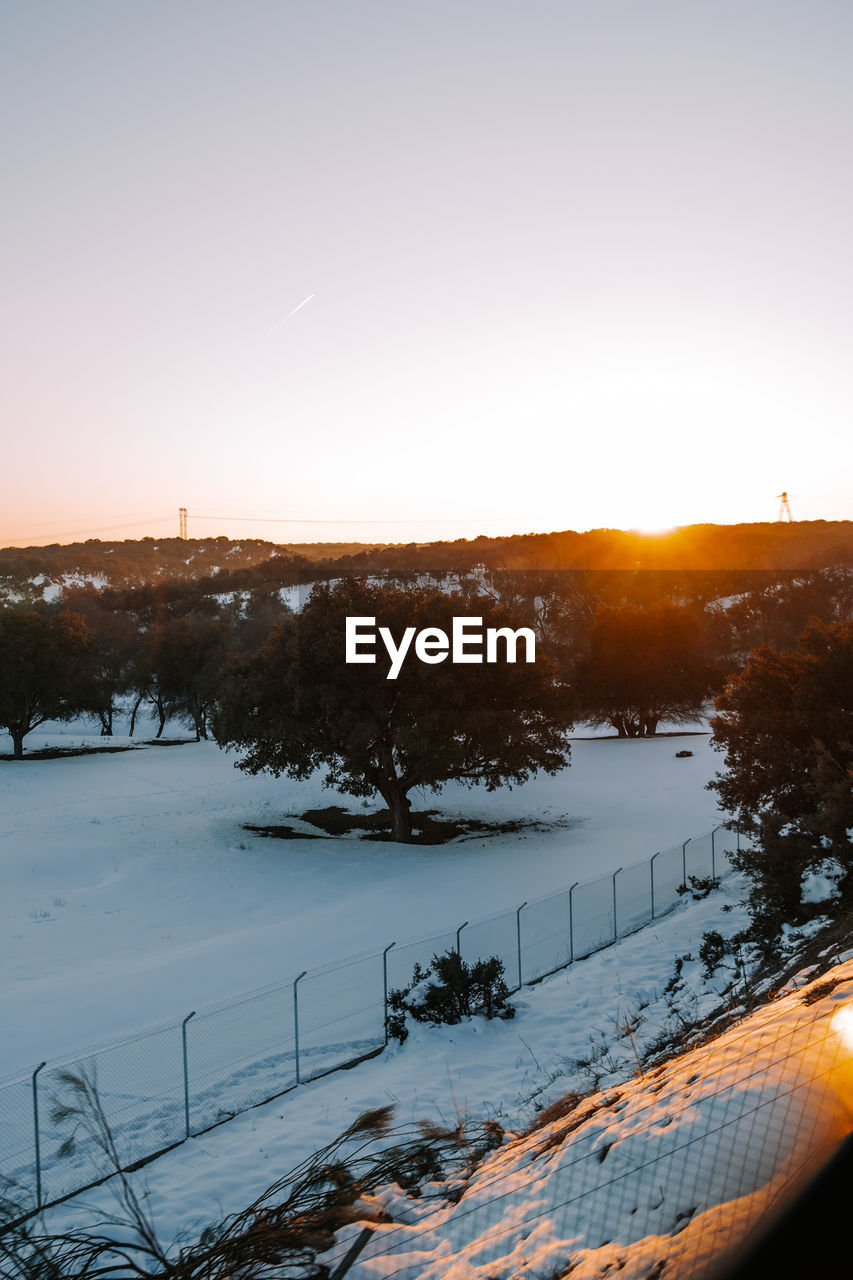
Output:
x,y
781,545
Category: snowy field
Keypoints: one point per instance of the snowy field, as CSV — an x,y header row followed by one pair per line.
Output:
x,y
132,893
708,1143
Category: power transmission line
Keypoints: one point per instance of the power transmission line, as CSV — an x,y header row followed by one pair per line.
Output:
x,y
79,533
184,516
311,520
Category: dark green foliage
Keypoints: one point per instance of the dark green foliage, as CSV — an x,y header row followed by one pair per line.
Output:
x,y
45,672
676,980
448,991
786,727
186,660
644,664
701,886
775,609
698,886
296,705
712,951
113,644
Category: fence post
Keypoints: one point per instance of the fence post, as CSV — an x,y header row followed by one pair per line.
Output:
x,y
459,935
352,1253
713,854
385,984
296,1021
652,870
684,861
615,930
36,1132
572,924
518,939
186,1072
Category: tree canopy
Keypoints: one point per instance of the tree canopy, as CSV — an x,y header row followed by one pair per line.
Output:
x,y
644,664
295,705
785,724
44,674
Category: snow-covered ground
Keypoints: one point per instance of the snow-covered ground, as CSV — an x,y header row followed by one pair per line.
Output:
x,y
674,1167
132,892
669,1162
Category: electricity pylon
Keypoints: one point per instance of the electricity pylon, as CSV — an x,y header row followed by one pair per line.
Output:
x,y
784,507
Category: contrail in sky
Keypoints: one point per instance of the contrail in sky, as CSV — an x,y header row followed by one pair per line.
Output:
x,y
285,319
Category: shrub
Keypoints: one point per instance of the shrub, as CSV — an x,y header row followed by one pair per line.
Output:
x,y
701,886
712,951
448,991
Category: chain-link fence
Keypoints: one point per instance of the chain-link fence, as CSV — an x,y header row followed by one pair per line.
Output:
x,y
164,1084
675,1173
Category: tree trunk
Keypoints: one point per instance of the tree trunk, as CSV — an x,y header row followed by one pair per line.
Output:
x,y
161,716
400,807
394,795
136,707
650,726
17,742
107,722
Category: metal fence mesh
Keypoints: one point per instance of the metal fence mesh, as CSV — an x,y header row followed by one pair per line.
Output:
x,y
495,936
238,1054
18,1177
180,1078
667,874
140,1090
341,1015
633,898
592,916
545,936
697,858
699,1158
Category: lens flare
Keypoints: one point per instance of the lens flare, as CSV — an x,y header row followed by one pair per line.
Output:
x,y
842,1025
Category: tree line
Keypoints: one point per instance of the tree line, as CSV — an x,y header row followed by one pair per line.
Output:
x,y
779,546
625,650
157,651
629,652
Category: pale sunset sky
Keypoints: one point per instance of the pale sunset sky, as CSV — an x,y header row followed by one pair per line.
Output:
x,y
405,271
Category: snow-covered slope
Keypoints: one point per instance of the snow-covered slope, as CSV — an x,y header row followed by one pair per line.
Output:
x,y
669,1170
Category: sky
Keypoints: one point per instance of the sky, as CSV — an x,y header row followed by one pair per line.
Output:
x,y
318,270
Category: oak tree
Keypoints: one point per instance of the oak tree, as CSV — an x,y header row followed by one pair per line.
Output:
x,y
295,705
644,664
44,674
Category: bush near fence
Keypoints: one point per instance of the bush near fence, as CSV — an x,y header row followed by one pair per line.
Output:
x,y
180,1078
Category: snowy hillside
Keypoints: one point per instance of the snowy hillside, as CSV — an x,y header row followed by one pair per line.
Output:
x,y
671,1169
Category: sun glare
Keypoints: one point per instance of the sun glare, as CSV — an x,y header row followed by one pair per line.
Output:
x,y
842,1025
